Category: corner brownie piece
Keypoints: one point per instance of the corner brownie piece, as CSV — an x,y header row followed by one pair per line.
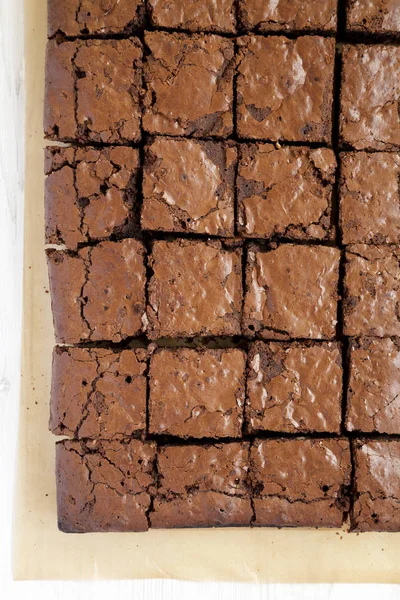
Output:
x,y
93,91
291,292
373,397
189,81
372,291
189,186
370,197
285,192
377,485
98,393
90,194
98,293
377,17
195,289
104,485
294,387
202,486
75,18
370,95
300,482
288,15
194,15
285,88
197,393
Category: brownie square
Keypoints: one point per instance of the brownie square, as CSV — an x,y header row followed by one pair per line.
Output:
x,y
377,484
98,293
300,482
195,289
370,197
372,291
285,192
202,486
373,397
370,96
194,15
294,388
189,186
98,392
189,81
291,292
104,485
285,88
197,393
76,18
93,91
288,15
377,17
90,194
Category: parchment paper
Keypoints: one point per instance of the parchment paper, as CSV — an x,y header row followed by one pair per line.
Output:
x,y
42,552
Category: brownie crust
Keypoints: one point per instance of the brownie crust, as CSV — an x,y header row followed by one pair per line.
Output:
x,y
194,15
189,186
377,17
197,393
288,15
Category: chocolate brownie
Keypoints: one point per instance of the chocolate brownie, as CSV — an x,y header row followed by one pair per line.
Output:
x,y
370,95
288,15
90,194
189,186
291,292
377,486
285,192
294,387
104,485
76,18
189,81
370,197
300,482
98,293
377,17
197,393
194,15
202,486
195,289
98,392
373,397
285,88
93,90
372,291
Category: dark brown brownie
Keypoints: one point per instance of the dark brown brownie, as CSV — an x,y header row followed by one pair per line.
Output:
x,y
285,192
202,486
98,393
194,15
195,289
76,18
373,397
197,393
93,89
291,292
90,194
189,82
370,197
376,16
300,482
98,293
288,15
285,88
189,186
294,387
370,94
104,485
377,486
372,291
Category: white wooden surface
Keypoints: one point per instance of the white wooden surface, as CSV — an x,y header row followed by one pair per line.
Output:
x,y
11,243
